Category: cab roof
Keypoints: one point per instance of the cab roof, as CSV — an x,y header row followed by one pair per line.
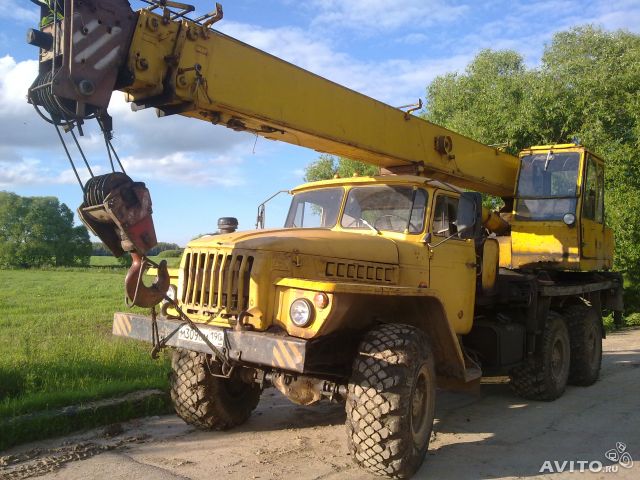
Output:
x,y
560,146
413,180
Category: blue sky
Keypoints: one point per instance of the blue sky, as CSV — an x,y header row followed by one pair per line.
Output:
x,y
198,172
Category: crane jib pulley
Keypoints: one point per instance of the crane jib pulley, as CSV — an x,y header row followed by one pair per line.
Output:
x,y
162,59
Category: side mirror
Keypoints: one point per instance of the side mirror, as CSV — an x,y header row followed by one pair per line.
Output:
x,y
469,220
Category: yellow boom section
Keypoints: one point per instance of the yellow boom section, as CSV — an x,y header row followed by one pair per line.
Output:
x,y
180,67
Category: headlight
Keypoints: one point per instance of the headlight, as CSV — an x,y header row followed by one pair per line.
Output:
x,y
569,219
301,312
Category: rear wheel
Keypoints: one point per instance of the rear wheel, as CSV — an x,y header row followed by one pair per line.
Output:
x,y
391,401
585,333
205,401
544,377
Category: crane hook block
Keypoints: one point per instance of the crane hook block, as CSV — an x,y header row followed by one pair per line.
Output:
x,y
138,293
118,211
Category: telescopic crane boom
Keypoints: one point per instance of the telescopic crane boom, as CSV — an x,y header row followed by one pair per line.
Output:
x,y
161,59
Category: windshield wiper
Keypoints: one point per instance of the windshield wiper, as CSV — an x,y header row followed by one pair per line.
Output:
x,y
371,226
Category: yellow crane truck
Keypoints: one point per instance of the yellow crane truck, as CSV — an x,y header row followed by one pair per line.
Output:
x,y
377,290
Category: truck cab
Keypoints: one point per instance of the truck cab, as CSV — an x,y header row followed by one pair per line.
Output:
x,y
558,217
347,239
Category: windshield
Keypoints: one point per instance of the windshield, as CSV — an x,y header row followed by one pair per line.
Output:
x,y
394,209
315,208
547,186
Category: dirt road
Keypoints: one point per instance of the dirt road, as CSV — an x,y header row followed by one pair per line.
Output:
x,y
490,435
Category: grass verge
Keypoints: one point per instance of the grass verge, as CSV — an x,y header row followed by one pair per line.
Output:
x,y
50,423
56,349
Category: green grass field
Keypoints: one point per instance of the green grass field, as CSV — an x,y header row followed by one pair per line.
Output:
x,y
56,347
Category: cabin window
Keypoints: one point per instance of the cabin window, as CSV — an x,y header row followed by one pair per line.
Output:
x,y
315,208
444,216
385,208
593,192
547,186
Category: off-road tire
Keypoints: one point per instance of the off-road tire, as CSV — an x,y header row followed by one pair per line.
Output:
x,y
206,401
544,377
391,401
585,333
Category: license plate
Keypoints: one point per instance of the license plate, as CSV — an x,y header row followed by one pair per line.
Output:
x,y
215,336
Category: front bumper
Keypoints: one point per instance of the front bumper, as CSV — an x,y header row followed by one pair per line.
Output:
x,y
259,348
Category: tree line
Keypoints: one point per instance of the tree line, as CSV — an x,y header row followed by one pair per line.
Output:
x,y
39,232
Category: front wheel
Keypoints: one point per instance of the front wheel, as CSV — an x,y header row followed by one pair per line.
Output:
x,y
391,401
206,401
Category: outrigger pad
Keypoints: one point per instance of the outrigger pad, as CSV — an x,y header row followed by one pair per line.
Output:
x,y
118,211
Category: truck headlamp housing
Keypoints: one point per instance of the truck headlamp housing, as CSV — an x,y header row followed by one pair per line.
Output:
x,y
301,312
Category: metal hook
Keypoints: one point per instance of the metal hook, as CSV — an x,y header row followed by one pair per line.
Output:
x,y
137,292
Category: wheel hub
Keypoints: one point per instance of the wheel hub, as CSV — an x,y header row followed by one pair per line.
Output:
x,y
419,406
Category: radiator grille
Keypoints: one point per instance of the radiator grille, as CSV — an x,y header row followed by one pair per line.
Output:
x,y
215,281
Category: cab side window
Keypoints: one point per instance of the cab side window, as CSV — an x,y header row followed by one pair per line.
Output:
x,y
593,192
444,216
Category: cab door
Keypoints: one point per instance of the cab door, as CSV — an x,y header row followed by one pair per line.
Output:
x,y
592,244
452,267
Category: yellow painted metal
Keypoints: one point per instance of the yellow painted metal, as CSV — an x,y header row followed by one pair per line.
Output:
x,y
224,81
182,68
153,42
550,244
553,244
504,257
204,74
490,261
452,272
494,222
295,263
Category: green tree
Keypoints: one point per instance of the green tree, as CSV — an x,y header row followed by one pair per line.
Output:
x,y
587,88
162,247
328,166
99,249
486,102
39,231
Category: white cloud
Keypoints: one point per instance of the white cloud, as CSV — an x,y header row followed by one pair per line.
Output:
x,y
15,11
31,171
144,133
376,15
395,81
19,124
174,149
181,168
617,14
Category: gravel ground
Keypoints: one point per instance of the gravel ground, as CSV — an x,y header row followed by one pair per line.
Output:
x,y
492,434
